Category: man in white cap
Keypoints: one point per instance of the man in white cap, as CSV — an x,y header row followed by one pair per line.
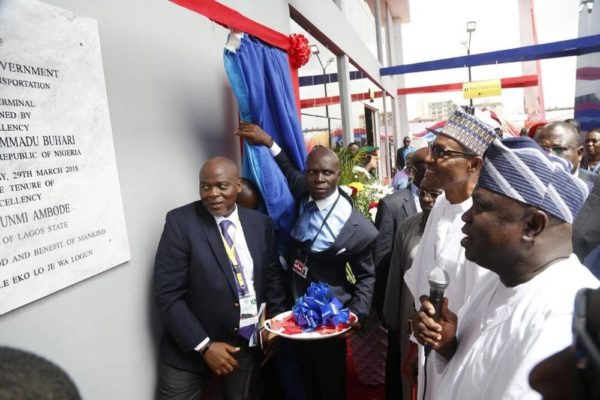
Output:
x,y
519,228
453,165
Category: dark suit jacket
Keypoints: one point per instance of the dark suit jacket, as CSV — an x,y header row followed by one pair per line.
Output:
x,y
353,245
400,161
398,301
392,210
194,285
586,227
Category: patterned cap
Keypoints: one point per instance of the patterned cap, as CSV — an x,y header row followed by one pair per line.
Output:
x,y
469,131
518,168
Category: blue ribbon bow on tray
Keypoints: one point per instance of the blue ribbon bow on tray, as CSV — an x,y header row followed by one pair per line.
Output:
x,y
318,307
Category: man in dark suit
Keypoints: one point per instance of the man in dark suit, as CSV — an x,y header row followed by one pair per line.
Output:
x,y
215,266
401,153
562,140
329,234
398,304
392,210
586,231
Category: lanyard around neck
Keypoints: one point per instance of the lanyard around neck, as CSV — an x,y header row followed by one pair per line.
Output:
x,y
235,264
231,254
324,220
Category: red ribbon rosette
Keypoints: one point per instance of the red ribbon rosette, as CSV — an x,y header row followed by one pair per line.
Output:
x,y
299,51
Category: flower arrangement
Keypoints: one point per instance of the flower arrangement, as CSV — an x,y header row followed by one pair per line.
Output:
x,y
348,161
364,194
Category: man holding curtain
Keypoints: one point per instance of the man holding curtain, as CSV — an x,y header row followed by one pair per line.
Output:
x,y
328,235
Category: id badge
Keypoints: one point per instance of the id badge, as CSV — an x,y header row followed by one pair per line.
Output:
x,y
248,310
300,268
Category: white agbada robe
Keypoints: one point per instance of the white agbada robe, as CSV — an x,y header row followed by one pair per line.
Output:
x,y
440,246
504,332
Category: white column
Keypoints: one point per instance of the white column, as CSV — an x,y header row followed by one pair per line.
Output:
x,y
345,98
402,116
378,31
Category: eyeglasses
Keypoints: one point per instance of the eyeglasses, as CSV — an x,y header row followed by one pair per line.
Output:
x,y
557,150
438,151
585,348
431,193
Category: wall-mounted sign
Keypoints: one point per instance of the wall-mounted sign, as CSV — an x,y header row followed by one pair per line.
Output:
x,y
472,90
61,216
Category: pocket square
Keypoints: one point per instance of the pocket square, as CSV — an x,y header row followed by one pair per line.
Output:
x,y
340,251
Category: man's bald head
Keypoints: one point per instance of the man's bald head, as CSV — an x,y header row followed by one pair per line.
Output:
x,y
24,375
562,140
249,196
417,163
323,152
219,185
563,129
222,163
575,124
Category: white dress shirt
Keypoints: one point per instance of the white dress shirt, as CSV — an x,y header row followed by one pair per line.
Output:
x,y
415,192
241,249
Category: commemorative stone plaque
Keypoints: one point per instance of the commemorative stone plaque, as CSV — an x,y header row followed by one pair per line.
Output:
x,y
61,216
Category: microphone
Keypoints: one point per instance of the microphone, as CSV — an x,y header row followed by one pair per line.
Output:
x,y
438,282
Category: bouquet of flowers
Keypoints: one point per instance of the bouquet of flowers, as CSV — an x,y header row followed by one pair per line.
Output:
x,y
366,196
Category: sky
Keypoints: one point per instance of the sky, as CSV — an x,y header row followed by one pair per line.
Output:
x,y
437,27
436,30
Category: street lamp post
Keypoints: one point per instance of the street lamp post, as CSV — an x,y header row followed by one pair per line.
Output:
x,y
470,29
316,52
587,4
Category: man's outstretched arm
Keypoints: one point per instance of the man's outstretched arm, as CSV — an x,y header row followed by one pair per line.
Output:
x,y
256,136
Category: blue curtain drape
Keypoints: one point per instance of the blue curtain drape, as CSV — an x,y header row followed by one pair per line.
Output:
x,y
259,76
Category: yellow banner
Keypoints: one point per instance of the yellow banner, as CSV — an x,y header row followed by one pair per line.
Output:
x,y
473,90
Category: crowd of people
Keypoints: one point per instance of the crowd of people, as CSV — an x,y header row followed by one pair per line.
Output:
x,y
512,225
